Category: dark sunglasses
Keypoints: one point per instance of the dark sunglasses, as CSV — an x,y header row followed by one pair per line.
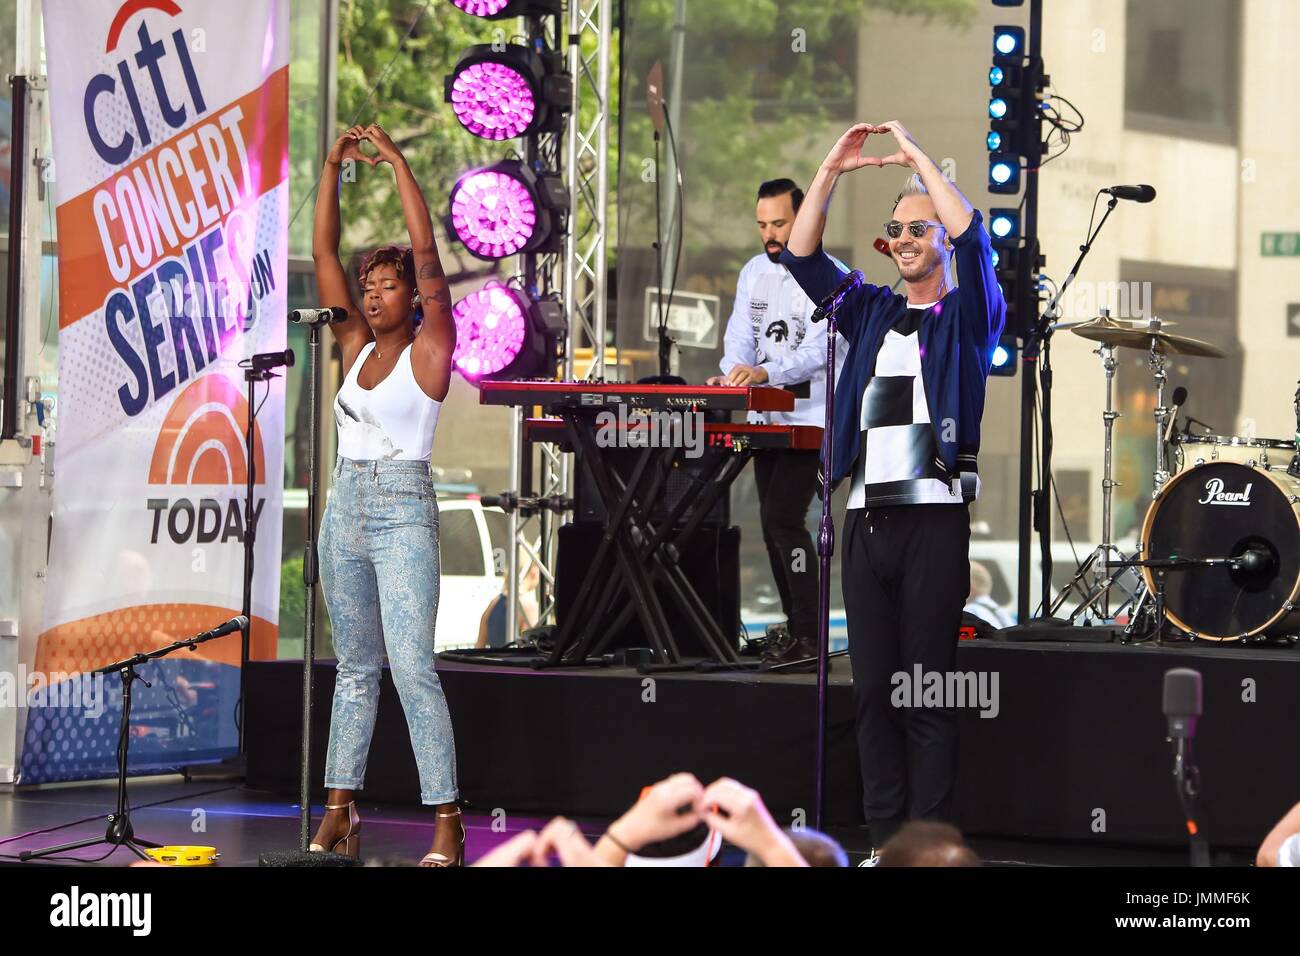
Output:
x,y
917,228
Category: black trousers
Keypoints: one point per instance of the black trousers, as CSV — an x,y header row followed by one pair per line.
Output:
x,y
906,574
787,481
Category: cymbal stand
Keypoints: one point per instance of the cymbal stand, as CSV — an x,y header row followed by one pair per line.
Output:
x,y
1158,364
1106,552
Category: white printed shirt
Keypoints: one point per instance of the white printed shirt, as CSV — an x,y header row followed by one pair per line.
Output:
x,y
771,328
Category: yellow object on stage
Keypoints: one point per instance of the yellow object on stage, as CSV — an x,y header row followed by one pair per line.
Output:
x,y
185,855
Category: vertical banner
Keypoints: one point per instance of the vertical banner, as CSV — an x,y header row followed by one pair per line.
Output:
x,y
170,124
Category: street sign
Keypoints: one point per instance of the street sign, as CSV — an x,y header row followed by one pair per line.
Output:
x,y
692,318
1273,244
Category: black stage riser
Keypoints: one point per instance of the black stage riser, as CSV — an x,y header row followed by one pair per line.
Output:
x,y
1079,731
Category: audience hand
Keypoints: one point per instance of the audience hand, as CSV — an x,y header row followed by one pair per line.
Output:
x,y
654,817
562,838
514,852
738,813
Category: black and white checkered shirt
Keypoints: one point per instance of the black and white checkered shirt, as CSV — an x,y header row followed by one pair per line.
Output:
x,y
899,462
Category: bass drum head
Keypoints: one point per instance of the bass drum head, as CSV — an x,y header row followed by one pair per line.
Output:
x,y
1220,510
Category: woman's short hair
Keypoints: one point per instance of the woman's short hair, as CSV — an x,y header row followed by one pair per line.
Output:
x,y
400,257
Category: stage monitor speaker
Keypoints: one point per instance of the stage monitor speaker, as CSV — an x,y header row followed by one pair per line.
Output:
x,y
711,563
685,472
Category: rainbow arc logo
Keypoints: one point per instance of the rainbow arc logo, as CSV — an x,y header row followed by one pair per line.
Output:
x,y
201,441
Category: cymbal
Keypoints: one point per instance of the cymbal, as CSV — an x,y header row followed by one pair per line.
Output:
x,y
1099,322
1145,337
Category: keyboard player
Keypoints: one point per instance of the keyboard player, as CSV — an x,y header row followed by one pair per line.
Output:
x,y
770,340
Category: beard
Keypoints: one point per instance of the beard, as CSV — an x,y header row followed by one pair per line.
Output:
x,y
917,268
774,256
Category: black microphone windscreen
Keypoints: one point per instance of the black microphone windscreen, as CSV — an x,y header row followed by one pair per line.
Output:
x,y
1182,697
1180,395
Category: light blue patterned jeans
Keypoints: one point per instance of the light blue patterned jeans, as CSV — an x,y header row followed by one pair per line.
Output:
x,y
379,572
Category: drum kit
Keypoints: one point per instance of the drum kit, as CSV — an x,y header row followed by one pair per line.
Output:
x,y
1219,555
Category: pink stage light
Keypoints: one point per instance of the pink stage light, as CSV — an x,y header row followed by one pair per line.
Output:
x,y
490,328
492,213
493,101
481,8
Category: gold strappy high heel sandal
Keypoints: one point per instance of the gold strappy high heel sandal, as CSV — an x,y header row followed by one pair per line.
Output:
x,y
441,859
350,841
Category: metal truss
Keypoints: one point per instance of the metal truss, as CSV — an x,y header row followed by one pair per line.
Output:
x,y
581,273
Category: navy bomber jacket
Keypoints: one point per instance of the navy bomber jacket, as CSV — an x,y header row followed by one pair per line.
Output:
x,y
957,340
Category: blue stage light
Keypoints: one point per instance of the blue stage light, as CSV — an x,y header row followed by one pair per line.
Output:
x,y
996,76
1008,41
997,107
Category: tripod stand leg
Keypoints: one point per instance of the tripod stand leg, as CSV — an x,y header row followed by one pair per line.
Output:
x,y
61,848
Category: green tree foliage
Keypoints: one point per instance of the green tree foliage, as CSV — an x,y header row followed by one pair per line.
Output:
x,y
398,85
744,89
757,78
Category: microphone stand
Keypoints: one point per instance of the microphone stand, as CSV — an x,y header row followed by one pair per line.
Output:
x,y
120,832
310,577
825,548
1039,343
1187,781
252,375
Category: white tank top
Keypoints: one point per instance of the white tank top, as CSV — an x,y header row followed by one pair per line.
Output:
x,y
394,420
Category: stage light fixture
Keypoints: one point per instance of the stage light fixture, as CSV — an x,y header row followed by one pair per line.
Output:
x,y
505,93
500,334
1008,41
501,9
996,75
1004,227
997,107
1003,360
501,210
994,141
1004,173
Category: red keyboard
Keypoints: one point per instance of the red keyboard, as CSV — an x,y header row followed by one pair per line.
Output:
x,y
727,437
759,398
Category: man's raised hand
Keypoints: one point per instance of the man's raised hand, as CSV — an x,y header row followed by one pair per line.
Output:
x,y
907,153
846,155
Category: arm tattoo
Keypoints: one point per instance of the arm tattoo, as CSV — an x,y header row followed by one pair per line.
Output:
x,y
439,297
431,270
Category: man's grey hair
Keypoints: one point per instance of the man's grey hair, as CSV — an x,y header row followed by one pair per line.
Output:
x,y
913,187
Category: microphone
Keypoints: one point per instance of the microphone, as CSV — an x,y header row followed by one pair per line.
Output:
x,y
264,361
318,316
1255,560
1142,193
1182,702
882,247
851,282
1180,396
237,623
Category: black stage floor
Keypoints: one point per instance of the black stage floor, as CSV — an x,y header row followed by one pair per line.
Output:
x,y
243,824
1076,754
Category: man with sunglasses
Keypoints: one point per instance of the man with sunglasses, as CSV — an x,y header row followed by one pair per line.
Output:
x,y
908,405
